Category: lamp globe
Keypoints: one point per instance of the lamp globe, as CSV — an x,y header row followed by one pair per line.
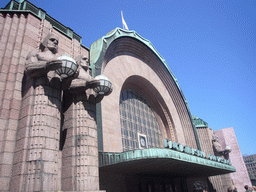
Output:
x,y
69,66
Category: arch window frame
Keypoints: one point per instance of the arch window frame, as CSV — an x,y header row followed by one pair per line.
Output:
x,y
137,117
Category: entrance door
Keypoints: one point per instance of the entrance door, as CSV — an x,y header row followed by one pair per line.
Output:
x,y
160,184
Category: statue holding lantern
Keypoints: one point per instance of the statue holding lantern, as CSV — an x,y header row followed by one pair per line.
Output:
x,y
46,75
82,82
219,150
41,110
81,94
39,63
74,73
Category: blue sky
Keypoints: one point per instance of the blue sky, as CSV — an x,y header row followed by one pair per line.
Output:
x,y
210,46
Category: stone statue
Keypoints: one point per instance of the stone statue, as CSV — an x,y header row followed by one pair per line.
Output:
x,y
54,119
41,104
82,81
39,63
79,107
82,77
218,147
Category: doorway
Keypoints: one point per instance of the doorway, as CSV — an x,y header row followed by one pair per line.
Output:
x,y
160,184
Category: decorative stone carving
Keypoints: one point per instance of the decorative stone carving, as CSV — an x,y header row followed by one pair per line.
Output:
x,y
218,147
80,130
39,63
42,87
82,81
37,164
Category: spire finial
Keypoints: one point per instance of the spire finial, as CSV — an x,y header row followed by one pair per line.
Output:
x,y
123,22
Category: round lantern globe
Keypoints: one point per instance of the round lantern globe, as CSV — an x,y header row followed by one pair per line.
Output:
x,y
228,148
69,66
105,87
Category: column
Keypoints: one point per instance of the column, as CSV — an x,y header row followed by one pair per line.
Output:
x,y
80,150
37,148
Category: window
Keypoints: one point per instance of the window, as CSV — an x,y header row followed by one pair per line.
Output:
x,y
136,116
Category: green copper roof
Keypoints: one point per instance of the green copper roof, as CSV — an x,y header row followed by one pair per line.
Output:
x,y
26,7
199,122
162,161
99,48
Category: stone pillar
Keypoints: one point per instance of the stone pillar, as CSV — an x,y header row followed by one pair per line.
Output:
x,y
80,150
37,148
15,39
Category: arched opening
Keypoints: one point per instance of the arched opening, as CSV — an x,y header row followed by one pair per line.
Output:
x,y
143,112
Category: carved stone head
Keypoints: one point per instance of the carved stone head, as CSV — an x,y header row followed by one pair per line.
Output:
x,y
83,61
215,138
50,42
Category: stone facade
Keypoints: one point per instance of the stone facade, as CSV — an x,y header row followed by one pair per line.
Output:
x,y
80,152
31,115
240,177
226,137
140,70
219,183
50,136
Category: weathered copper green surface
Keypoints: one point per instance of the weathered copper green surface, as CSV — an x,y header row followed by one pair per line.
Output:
x,y
98,50
199,122
27,7
162,160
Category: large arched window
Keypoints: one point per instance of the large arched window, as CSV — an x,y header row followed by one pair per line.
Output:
x,y
137,117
